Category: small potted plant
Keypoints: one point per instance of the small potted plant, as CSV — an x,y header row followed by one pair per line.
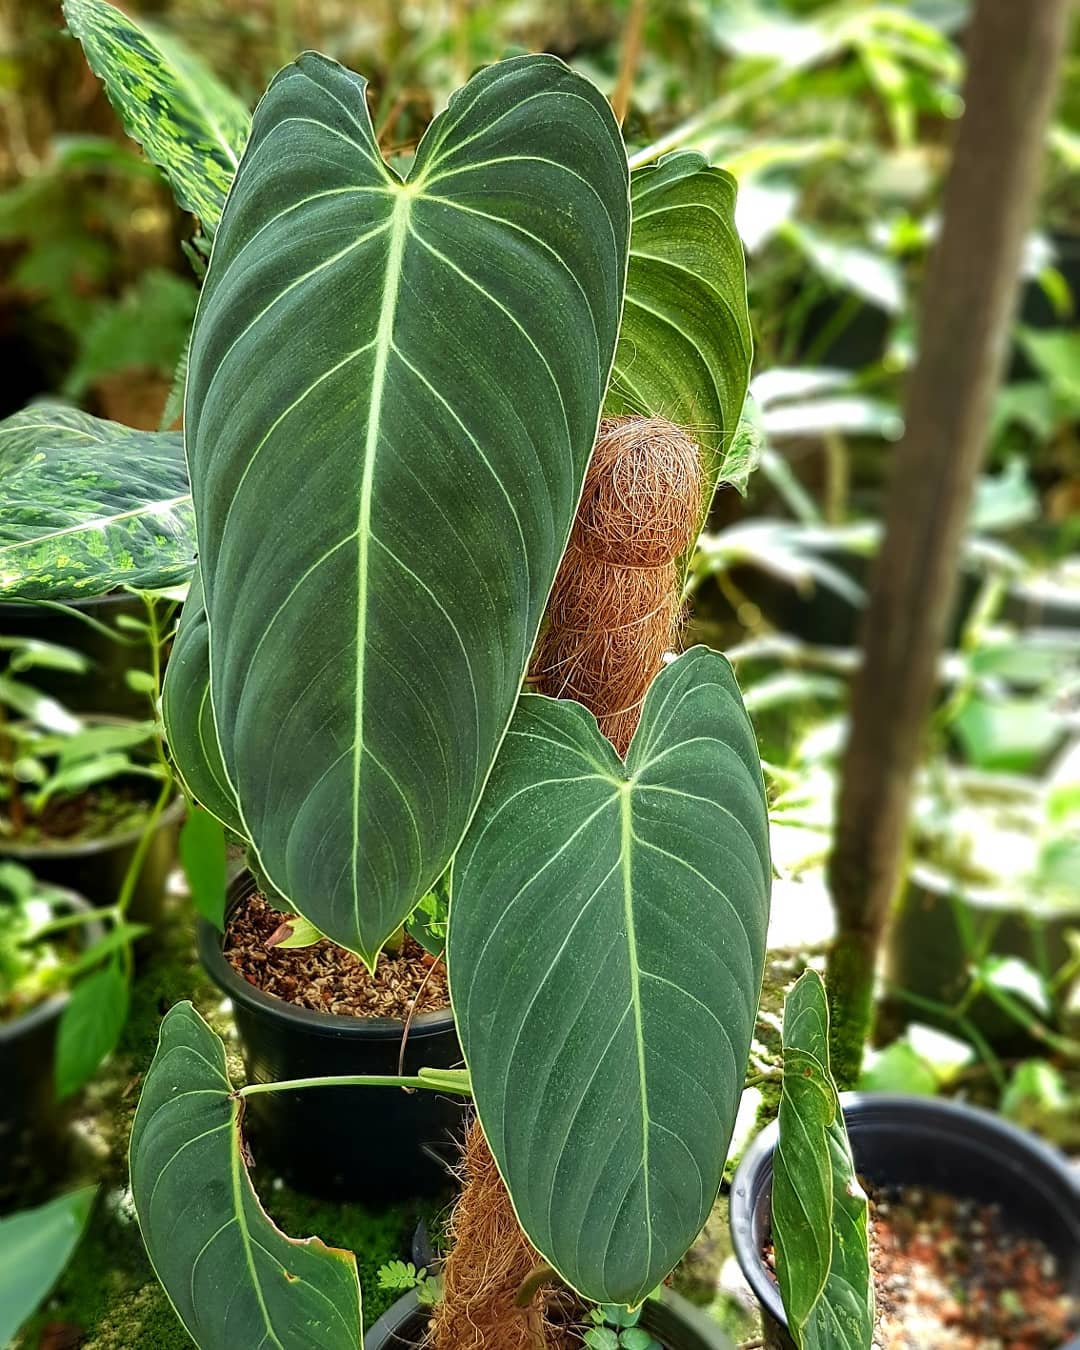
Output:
x,y
36,974
83,798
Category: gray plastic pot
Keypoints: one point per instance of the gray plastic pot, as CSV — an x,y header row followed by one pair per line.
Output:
x,y
96,867
922,1141
676,1324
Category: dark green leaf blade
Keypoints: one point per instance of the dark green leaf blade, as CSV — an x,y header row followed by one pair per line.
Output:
x,y
186,121
819,1212
189,715
233,1278
607,939
685,346
88,505
90,1027
35,1245
393,393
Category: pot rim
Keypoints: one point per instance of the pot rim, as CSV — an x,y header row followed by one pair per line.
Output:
x,y
395,1321
754,1173
231,983
54,1005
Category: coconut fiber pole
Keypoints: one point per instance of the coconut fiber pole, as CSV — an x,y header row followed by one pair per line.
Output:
x,y
614,611
1014,50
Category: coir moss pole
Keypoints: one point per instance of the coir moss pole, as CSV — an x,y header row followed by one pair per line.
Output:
x,y
612,615
1014,54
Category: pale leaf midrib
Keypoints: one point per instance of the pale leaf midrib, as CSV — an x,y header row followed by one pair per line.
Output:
x,y
383,346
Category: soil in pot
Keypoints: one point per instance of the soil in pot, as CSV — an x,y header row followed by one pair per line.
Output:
x,y
325,977
97,814
948,1274
315,1012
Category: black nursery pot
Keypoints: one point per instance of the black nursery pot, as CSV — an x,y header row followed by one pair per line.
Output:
x,y
374,1144
921,1141
31,1119
96,867
675,1323
104,687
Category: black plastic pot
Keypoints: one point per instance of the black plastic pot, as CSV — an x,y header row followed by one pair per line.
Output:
x,y
31,1119
96,868
344,1143
104,687
922,1141
676,1324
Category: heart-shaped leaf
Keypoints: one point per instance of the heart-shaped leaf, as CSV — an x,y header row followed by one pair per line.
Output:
x,y
607,938
88,505
187,122
233,1278
393,391
818,1208
685,345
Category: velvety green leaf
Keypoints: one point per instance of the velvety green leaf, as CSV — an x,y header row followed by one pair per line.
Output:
x,y
35,1245
233,1278
186,121
90,1027
202,856
685,345
393,392
819,1212
88,505
607,938
189,717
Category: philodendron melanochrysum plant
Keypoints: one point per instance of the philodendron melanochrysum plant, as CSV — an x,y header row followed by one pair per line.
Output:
x,y
394,386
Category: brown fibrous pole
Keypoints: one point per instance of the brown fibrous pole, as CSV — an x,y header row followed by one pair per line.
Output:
x,y
613,614
616,604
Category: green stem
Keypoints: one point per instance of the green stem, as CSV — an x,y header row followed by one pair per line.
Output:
x,y
348,1080
135,867
62,921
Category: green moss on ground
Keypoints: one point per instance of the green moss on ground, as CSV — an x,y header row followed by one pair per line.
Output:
x,y
109,1293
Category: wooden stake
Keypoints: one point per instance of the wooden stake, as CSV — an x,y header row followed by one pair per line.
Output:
x,y
1014,57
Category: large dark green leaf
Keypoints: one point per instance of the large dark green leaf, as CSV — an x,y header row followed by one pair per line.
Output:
x,y
685,346
392,395
88,505
35,1245
188,123
189,718
607,937
233,1278
819,1222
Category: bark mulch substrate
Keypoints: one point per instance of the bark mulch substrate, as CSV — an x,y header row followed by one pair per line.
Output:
x,y
949,1276
327,978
